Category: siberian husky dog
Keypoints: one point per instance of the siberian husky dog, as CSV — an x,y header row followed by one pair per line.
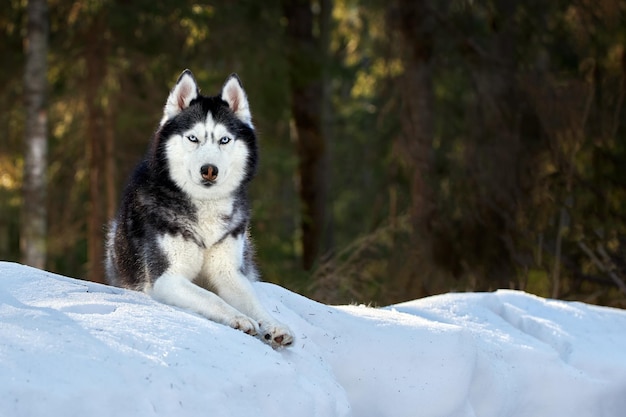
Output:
x,y
181,232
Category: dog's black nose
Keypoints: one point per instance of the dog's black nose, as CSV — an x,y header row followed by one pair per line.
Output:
x,y
209,172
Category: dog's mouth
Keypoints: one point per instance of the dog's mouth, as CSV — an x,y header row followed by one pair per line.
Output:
x,y
208,183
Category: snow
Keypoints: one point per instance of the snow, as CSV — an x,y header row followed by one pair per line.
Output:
x,y
75,348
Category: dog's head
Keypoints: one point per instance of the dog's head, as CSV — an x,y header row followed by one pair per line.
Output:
x,y
207,144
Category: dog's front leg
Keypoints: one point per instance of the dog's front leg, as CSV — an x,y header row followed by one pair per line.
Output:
x,y
176,290
176,287
225,272
237,291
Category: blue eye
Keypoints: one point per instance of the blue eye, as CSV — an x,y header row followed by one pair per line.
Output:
x,y
224,140
192,138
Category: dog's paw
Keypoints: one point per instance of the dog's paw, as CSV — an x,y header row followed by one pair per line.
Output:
x,y
245,324
277,335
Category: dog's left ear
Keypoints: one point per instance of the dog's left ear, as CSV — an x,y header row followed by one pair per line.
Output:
x,y
181,96
233,94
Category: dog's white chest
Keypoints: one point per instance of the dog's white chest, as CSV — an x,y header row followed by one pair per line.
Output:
x,y
214,219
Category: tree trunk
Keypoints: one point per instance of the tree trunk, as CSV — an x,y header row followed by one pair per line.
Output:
x,y
306,57
499,152
110,173
96,63
417,96
412,22
34,213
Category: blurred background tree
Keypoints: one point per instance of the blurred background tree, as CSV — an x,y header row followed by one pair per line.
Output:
x,y
408,148
33,233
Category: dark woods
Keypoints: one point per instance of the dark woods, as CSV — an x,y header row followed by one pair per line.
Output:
x,y
408,147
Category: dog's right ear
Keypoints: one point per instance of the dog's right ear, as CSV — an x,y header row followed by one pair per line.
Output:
x,y
181,96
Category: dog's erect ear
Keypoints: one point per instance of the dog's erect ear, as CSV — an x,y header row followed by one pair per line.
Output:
x,y
181,95
233,94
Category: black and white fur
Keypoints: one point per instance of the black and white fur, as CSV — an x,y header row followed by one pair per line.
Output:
x,y
181,233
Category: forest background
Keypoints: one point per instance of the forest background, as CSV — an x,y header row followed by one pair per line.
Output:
x,y
408,148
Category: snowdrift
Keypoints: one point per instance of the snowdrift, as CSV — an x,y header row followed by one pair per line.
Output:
x,y
75,348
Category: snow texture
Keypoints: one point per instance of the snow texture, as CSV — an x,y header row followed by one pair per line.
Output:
x,y
75,348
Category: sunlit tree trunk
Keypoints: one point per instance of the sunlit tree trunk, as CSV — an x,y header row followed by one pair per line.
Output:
x,y
306,51
33,222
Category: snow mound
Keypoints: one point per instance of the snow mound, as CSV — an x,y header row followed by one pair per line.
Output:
x,y
71,347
